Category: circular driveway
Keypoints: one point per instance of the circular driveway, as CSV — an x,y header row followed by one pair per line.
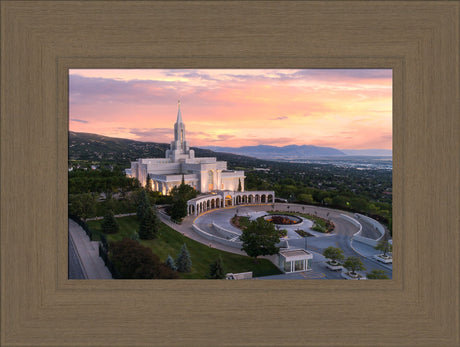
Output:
x,y
340,237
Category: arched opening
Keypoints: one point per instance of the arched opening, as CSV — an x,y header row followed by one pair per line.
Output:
x,y
270,198
228,201
262,199
257,199
213,203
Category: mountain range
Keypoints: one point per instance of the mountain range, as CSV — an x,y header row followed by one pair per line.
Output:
x,y
99,148
94,147
296,151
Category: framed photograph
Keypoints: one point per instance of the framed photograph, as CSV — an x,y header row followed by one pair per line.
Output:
x,y
43,40
265,174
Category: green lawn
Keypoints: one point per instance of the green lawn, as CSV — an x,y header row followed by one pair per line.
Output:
x,y
169,242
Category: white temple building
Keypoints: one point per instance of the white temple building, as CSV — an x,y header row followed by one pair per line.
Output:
x,y
204,174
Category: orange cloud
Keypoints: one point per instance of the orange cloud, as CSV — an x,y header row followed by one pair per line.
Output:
x,y
346,109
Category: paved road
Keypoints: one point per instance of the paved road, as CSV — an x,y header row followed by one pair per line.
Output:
x,y
341,237
76,271
88,253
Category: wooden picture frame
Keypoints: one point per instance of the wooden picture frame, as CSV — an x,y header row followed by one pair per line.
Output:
x,y
41,40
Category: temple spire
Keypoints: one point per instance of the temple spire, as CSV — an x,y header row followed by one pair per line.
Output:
x,y
179,115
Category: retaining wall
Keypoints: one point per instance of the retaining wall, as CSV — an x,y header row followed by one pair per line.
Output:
x,y
236,244
231,234
365,240
357,236
374,223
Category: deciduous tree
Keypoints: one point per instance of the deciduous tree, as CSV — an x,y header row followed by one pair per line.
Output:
x,y
180,195
384,246
134,261
82,205
333,253
354,264
260,238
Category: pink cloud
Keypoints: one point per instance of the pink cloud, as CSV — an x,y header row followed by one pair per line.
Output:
x,y
336,108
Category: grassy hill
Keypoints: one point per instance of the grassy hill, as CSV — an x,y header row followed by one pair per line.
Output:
x,y
120,152
169,242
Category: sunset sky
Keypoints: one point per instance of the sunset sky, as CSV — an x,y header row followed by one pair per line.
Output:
x,y
344,109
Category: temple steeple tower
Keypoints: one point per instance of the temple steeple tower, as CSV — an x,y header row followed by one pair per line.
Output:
x,y
179,147
179,129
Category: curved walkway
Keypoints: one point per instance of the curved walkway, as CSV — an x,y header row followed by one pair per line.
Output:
x,y
186,229
341,237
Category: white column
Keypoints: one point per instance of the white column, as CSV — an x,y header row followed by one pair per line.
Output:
x,y
218,179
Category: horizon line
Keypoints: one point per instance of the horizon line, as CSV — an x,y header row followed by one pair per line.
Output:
x,y
206,147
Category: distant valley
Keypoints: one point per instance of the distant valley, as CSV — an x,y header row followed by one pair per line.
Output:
x,y
99,148
295,152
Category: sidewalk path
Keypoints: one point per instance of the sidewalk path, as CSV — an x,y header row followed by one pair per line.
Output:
x,y
88,253
369,252
186,229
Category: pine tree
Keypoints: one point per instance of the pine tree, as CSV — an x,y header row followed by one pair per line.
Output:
x,y
170,263
216,269
135,236
104,243
109,224
239,185
184,261
144,205
148,225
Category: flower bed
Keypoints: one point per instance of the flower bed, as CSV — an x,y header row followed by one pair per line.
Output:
x,y
303,233
321,225
283,219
